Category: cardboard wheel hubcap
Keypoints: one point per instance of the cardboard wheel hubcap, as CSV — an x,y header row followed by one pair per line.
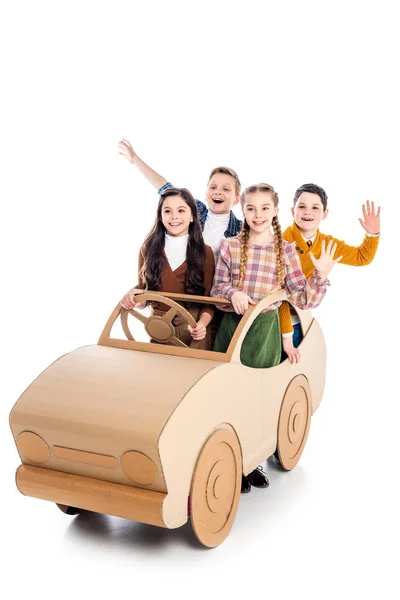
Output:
x,y
216,487
294,422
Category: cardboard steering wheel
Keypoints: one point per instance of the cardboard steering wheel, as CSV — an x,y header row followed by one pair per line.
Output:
x,y
160,329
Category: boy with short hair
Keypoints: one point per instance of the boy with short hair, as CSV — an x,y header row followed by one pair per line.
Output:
x,y
309,209
223,192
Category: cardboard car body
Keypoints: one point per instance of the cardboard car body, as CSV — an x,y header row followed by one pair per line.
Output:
x,y
135,429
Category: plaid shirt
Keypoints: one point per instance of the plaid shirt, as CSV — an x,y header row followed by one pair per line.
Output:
x,y
234,225
261,275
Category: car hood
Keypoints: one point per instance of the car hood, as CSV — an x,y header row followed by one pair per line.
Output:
x,y
109,390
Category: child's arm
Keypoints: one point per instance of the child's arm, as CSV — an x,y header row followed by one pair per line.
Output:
x,y
223,287
308,293
325,263
285,322
128,302
199,332
222,284
292,353
285,319
358,256
372,219
156,180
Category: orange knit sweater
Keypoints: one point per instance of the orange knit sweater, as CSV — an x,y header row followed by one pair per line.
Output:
x,y
356,256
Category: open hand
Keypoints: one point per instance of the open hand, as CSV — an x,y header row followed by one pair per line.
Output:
x,y
125,149
240,302
325,263
372,220
128,302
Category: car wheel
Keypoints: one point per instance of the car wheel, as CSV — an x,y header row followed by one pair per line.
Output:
x,y
294,422
69,510
215,491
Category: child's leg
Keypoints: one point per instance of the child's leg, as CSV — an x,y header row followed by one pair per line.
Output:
x,y
225,332
261,347
214,325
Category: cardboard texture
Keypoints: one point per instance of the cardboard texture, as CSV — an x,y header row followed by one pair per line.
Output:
x,y
132,429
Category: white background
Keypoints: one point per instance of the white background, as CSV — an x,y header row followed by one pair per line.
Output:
x,y
284,92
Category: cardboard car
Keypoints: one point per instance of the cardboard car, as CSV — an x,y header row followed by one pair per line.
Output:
x,y
153,432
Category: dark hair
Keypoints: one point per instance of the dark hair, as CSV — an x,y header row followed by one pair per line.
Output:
x,y
153,246
313,189
226,171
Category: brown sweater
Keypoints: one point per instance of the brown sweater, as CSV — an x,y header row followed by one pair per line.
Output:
x,y
174,281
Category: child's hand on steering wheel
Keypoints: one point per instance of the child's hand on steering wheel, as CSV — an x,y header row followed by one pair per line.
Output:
x,y
198,332
128,302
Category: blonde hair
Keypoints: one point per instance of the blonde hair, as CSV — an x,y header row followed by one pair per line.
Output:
x,y
244,234
227,171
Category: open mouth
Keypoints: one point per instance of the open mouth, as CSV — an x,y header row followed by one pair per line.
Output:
x,y
258,224
307,219
217,200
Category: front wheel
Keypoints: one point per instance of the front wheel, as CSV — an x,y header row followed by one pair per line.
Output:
x,y
215,492
69,510
294,422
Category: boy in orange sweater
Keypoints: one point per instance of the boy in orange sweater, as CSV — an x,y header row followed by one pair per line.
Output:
x,y
309,209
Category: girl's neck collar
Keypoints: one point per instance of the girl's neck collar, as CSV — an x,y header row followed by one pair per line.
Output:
x,y
262,240
174,238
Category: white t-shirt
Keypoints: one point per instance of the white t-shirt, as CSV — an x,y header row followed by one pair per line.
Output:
x,y
214,229
175,249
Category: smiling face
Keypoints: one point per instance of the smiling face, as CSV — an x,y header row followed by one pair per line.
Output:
x,y
221,193
259,210
176,216
308,213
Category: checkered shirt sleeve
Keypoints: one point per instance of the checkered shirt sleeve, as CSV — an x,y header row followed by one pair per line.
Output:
x,y
222,286
165,187
261,275
304,293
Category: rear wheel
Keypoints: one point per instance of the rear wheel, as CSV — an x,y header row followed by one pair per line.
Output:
x,y
215,492
69,510
294,422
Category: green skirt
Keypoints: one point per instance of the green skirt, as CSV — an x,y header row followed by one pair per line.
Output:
x,y
261,347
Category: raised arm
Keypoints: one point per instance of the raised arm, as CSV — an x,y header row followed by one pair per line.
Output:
x,y
126,150
308,293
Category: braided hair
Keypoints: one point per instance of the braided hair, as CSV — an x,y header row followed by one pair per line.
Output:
x,y
244,251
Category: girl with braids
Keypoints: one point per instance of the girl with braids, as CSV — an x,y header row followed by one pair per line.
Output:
x,y
174,258
252,265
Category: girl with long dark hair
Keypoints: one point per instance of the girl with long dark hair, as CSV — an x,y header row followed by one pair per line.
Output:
x,y
174,258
